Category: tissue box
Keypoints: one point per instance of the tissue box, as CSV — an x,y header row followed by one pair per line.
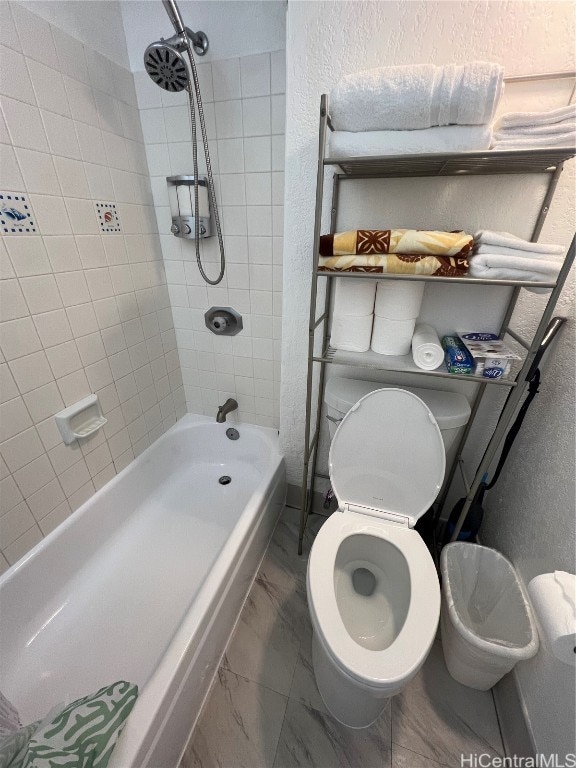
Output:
x,y
492,358
456,356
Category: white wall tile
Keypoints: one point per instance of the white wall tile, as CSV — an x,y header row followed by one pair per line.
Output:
x,y
257,154
35,36
31,371
61,135
278,71
228,116
255,75
41,292
49,88
72,178
256,116
226,79
18,114
14,77
11,176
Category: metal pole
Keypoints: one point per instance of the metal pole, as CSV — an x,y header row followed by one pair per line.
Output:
x,y
327,301
516,393
312,319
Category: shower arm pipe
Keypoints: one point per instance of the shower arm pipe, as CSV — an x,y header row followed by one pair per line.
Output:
x,y
171,8
184,34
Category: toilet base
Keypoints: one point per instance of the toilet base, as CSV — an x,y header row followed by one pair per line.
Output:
x,y
348,701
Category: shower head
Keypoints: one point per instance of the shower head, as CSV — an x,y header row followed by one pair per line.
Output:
x,y
166,66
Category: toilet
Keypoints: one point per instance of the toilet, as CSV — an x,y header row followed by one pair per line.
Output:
x,y
373,590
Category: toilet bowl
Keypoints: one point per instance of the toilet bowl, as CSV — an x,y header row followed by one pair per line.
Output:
x,y
372,586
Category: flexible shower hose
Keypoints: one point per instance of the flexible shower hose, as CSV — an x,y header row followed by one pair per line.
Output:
x,y
211,191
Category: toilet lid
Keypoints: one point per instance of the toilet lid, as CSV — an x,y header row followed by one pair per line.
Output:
x,y
387,457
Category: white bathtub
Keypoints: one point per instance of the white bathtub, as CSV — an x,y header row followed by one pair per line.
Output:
x,y
144,583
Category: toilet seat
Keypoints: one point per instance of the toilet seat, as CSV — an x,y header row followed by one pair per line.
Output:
x,y
387,463
387,458
404,656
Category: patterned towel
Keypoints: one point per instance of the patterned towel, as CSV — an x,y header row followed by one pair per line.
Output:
x,y
81,735
423,242
397,263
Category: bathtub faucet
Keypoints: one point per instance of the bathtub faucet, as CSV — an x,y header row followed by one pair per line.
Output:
x,y
229,406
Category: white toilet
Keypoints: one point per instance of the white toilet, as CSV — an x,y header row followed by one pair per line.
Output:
x,y
373,591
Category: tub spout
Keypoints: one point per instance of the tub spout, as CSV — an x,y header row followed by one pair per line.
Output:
x,y
229,406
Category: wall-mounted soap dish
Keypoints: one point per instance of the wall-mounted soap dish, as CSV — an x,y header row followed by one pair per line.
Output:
x,y
80,420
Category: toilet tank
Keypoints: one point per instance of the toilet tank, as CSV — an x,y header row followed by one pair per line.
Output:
x,y
451,410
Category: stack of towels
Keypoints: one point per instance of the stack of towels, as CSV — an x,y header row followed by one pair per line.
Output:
x,y
529,130
400,251
502,256
415,109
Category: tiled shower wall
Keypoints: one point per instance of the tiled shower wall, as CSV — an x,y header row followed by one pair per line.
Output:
x,y
244,107
80,311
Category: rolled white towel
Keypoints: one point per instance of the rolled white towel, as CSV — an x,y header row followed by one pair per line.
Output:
x,y
416,96
494,266
534,142
507,240
427,351
528,119
450,138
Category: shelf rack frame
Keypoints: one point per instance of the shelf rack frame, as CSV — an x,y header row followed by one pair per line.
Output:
x,y
535,161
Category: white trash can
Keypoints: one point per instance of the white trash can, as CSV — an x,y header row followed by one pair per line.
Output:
x,y
486,620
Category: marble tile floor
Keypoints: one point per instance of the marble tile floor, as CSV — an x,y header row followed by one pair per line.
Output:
x,y
264,710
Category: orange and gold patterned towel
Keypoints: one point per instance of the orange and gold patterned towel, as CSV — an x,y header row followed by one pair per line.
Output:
x,y
368,242
396,263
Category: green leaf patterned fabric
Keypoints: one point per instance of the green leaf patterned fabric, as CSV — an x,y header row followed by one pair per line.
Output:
x,y
83,734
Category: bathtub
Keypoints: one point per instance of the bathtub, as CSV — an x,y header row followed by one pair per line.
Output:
x,y
145,583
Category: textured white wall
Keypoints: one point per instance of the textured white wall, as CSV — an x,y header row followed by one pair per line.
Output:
x,y
326,40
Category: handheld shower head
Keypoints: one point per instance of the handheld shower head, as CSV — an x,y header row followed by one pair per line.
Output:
x,y
166,66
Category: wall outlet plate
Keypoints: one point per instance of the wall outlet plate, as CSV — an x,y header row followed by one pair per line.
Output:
x,y
16,215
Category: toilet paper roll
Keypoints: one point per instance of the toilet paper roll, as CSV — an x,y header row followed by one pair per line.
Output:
x,y
392,337
553,597
427,351
351,334
399,299
354,297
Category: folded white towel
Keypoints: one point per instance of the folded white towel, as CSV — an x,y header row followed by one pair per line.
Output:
x,y
498,267
451,138
416,96
519,252
508,240
535,130
534,142
527,119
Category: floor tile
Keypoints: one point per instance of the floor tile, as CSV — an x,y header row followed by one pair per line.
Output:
x,y
304,688
282,564
404,758
265,644
239,727
437,717
312,739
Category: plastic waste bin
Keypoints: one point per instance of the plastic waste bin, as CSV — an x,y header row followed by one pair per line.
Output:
x,y
486,620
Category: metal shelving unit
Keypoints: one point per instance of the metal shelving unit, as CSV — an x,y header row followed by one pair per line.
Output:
x,y
536,161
